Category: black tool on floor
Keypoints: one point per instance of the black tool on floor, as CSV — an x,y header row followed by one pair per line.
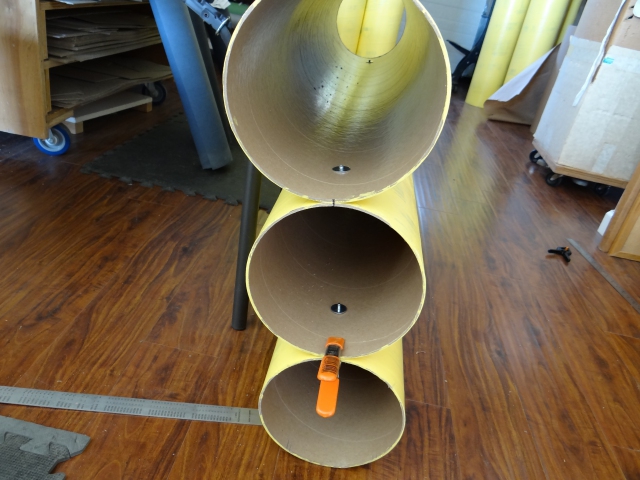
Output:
x,y
564,251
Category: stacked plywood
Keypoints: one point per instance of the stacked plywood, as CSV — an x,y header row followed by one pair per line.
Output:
x,y
82,35
82,83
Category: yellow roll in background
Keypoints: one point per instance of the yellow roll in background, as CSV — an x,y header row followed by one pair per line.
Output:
x,y
365,255
370,414
380,27
350,16
301,104
497,50
539,33
569,18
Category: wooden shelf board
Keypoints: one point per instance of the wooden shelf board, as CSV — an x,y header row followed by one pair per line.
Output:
x,y
59,114
53,5
108,105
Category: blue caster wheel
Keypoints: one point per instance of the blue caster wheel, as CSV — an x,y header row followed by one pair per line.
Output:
x,y
156,91
56,144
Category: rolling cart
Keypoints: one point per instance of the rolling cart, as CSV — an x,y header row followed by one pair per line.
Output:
x,y
601,185
25,83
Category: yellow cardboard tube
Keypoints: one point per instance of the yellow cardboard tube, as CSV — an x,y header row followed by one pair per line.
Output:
x,y
539,33
301,104
570,17
350,16
370,415
366,256
380,27
497,50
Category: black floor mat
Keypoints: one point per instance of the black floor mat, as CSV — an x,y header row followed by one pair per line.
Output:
x,y
166,156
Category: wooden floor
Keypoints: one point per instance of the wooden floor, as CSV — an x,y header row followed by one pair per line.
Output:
x,y
520,367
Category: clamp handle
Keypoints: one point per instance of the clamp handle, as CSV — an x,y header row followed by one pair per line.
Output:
x,y
329,376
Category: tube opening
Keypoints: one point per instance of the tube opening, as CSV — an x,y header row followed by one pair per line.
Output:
x,y
301,103
368,422
371,28
306,261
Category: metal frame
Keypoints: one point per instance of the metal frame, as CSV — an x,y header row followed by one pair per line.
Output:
x,y
248,230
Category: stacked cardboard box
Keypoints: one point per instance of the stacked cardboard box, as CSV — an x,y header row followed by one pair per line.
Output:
x,y
589,126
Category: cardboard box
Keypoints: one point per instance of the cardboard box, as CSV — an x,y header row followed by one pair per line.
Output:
x,y
555,71
597,138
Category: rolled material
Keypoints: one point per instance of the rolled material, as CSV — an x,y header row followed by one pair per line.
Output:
x,y
539,33
302,105
366,256
188,68
497,50
350,16
370,415
570,17
380,27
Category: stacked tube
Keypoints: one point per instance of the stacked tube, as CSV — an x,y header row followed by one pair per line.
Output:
x,y
340,254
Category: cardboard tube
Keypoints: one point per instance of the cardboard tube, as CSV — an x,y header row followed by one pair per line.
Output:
x,y
366,256
497,50
370,415
301,104
380,27
539,32
350,15
570,17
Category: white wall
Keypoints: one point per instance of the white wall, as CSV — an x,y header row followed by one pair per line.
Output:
x,y
457,20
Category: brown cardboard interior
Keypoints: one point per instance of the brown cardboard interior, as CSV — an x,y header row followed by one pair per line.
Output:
x,y
301,103
368,422
322,256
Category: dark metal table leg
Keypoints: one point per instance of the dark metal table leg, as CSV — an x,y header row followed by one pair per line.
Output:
x,y
248,227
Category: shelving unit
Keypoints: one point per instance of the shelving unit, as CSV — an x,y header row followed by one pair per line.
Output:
x,y
25,95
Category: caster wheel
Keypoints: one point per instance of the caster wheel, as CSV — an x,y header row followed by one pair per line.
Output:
x,y
582,183
601,189
554,179
56,144
536,158
156,91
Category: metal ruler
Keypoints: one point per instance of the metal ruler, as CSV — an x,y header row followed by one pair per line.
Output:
x,y
128,406
606,275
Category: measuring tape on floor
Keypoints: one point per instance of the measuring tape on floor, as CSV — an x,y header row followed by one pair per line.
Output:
x,y
623,293
128,406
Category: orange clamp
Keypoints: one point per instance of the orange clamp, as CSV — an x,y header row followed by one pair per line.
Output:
x,y
328,374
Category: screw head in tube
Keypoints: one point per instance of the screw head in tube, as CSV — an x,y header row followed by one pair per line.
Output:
x,y
338,308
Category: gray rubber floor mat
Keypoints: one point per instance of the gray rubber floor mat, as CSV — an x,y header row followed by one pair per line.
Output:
x,y
30,452
166,156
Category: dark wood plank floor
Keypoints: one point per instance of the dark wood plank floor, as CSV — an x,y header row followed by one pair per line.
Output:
x,y
521,367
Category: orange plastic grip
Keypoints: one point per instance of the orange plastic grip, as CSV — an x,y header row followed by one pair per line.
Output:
x,y
327,398
329,379
335,341
329,368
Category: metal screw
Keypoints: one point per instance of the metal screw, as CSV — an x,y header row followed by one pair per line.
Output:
x,y
338,308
